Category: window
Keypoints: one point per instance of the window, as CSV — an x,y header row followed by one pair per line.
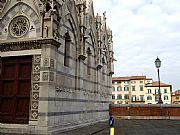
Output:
x,y
177,97
89,61
119,88
141,87
133,88
149,90
156,98
165,90
103,68
141,81
113,88
115,82
67,49
126,96
133,97
113,96
19,26
141,98
126,82
157,91
119,97
133,82
165,97
149,98
126,88
119,82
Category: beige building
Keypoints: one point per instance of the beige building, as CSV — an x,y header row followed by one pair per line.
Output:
x,y
138,90
56,63
175,97
152,93
128,90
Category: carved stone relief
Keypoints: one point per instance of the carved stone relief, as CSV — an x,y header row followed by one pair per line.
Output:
x,y
35,87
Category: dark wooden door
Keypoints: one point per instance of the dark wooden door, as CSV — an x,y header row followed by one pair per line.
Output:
x,y
15,85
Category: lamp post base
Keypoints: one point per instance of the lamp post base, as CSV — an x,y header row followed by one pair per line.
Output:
x,y
160,101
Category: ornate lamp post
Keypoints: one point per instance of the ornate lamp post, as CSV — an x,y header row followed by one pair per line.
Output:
x,y
158,65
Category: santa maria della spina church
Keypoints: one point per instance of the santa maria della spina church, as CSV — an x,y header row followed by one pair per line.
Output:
x,y
56,66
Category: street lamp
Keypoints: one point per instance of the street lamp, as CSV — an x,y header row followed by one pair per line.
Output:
x,y
158,65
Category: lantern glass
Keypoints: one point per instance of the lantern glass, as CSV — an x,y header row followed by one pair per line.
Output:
x,y
158,63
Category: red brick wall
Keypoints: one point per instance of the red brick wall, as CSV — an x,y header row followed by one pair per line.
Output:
x,y
145,110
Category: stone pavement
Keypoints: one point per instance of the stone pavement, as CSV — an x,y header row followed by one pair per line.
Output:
x,y
129,127
132,127
89,130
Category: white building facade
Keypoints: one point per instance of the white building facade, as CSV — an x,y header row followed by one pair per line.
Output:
x,y
152,93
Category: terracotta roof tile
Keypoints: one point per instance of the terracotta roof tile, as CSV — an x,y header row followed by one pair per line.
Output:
x,y
156,84
128,78
177,92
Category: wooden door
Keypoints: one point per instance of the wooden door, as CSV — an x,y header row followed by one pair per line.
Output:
x,y
15,85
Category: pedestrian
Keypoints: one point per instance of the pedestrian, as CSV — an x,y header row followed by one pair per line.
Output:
x,y
111,120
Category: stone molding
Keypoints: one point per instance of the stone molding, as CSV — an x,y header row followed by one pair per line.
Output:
x,y
26,44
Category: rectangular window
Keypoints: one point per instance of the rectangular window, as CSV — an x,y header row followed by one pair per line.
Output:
x,y
141,88
126,82
126,96
133,97
165,90
126,88
133,82
141,81
67,50
89,65
119,88
157,91
141,98
156,98
113,96
119,97
133,88
149,90
177,98
119,82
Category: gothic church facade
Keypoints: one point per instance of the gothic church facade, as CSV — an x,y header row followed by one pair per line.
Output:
x,y
56,65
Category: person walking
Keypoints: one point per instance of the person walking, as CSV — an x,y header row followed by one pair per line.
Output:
x,y
111,124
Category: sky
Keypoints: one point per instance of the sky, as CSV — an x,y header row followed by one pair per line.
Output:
x,y
143,30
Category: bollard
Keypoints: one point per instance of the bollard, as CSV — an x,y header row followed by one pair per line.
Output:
x,y
112,131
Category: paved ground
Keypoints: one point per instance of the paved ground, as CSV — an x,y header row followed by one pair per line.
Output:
x,y
129,127
132,127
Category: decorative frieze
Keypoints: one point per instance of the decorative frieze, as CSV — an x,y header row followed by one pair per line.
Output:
x,y
20,46
50,63
26,45
48,76
35,87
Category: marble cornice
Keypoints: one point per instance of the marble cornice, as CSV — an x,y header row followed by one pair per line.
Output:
x,y
28,44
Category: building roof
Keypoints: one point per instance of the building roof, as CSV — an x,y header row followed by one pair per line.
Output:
x,y
177,92
148,78
156,84
128,78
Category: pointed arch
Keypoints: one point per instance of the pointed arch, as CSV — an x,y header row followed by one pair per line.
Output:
x,y
74,28
21,8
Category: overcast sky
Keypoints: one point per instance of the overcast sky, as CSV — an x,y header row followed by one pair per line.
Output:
x,y
143,30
